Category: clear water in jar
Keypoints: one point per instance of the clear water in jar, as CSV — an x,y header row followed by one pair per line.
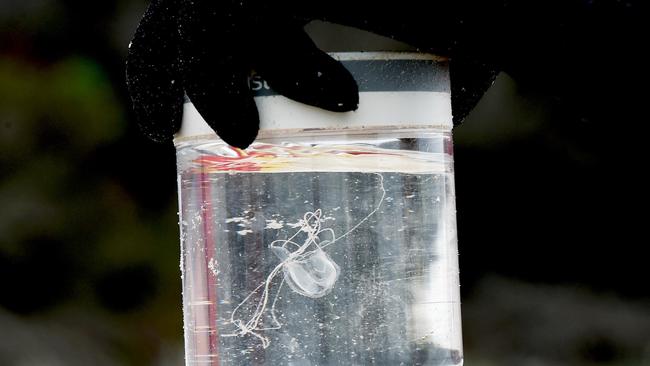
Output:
x,y
321,253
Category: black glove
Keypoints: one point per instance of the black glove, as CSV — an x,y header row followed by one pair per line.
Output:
x,y
207,49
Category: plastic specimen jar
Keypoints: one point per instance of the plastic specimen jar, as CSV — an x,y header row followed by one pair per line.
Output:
x,y
331,240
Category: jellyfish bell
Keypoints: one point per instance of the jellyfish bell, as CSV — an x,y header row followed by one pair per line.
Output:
x,y
310,274
313,275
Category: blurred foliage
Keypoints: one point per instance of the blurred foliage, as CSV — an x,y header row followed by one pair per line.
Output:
x,y
46,112
58,102
77,251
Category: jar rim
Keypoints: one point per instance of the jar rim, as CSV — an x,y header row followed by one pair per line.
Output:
x,y
396,90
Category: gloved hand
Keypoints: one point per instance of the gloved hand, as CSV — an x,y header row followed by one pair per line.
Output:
x,y
207,49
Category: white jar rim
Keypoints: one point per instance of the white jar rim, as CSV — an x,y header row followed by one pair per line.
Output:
x,y
397,90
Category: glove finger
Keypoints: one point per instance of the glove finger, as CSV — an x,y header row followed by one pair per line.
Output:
x,y
293,66
214,74
152,72
224,101
469,81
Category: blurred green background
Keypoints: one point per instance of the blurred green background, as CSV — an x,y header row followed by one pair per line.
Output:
x,y
552,249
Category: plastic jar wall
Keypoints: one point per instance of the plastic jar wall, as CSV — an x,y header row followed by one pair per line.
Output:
x,y
332,239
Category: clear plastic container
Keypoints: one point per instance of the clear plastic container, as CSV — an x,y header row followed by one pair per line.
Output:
x,y
328,245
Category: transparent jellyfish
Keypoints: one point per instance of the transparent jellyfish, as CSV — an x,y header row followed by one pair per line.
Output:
x,y
311,273
307,268
312,277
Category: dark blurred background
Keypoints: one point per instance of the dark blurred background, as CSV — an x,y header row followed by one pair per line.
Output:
x,y
550,213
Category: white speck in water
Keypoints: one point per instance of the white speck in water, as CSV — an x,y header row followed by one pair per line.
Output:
x,y
294,225
213,266
244,232
409,196
293,345
240,221
274,224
